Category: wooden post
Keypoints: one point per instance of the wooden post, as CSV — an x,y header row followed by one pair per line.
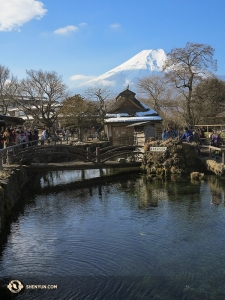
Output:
x,y
1,167
210,153
223,155
11,158
8,158
98,154
88,153
83,175
4,157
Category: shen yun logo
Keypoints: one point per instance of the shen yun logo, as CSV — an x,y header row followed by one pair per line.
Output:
x,y
15,286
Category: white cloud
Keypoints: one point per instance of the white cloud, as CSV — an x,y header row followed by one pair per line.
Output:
x,y
66,30
83,24
81,77
15,13
107,82
115,26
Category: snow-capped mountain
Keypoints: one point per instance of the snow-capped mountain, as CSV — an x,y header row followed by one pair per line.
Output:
x,y
145,63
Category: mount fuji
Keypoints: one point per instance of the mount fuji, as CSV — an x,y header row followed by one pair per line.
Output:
x,y
143,64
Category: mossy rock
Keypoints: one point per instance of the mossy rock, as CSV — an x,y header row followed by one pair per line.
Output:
x,y
196,175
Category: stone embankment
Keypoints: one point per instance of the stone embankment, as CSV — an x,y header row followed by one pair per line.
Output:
x,y
176,158
12,181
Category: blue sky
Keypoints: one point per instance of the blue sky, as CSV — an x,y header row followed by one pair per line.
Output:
x,y
81,39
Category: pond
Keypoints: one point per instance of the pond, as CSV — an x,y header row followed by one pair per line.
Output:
x,y
127,239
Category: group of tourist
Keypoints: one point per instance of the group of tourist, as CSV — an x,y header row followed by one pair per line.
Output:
x,y
171,133
198,136
13,136
26,136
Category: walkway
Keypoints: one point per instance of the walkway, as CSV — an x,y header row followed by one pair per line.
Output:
x,y
78,165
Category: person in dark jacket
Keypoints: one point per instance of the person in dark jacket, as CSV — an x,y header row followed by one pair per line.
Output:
x,y
171,133
187,135
35,136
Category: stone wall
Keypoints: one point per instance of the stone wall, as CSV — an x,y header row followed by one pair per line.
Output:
x,y
12,182
179,158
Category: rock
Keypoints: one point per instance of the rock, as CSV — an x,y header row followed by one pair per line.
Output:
x,y
179,158
196,175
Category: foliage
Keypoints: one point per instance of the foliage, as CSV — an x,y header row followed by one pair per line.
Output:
x,y
209,98
77,112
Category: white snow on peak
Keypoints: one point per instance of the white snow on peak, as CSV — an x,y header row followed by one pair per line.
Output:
x,y
143,64
146,59
151,60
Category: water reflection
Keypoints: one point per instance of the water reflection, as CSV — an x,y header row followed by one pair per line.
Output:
x,y
64,177
127,239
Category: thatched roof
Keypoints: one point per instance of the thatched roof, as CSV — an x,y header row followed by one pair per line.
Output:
x,y
127,103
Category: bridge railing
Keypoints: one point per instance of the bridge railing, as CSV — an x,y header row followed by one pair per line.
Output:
x,y
8,152
20,152
212,148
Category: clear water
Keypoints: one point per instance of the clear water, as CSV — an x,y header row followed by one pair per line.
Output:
x,y
130,239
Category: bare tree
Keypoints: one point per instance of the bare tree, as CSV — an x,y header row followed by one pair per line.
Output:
x,y
39,95
155,89
101,94
8,88
185,68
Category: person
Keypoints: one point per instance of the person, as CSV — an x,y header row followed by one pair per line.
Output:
x,y
201,135
72,133
57,131
215,139
35,136
196,137
170,133
164,135
187,135
1,140
44,136
23,138
18,137
13,130
48,135
8,137
197,140
67,134
25,130
63,133
29,137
